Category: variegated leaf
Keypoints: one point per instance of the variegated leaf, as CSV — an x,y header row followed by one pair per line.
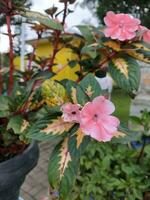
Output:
x,y
90,86
113,45
122,66
65,157
57,127
140,51
74,95
24,126
80,137
53,93
126,72
62,169
47,129
17,124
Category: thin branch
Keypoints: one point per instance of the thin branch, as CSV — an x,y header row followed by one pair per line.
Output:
x,y
142,151
57,37
34,49
11,54
100,65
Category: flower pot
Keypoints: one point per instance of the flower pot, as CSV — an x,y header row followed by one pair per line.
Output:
x,y
14,171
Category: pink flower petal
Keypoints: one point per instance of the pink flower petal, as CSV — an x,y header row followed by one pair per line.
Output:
x,y
103,105
146,36
121,26
96,121
110,19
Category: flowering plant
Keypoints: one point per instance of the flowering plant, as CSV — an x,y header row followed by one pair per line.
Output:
x,y
74,112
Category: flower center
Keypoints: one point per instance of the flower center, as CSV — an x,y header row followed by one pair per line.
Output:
x,y
73,113
95,117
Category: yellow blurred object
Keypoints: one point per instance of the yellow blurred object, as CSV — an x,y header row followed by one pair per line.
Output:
x,y
45,49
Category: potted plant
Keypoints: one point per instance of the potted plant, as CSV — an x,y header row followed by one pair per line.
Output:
x,y
66,111
77,111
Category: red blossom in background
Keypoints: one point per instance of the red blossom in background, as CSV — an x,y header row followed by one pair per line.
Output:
x,y
146,36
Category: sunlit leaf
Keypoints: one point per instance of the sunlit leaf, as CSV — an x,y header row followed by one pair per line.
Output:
x,y
113,45
53,93
57,126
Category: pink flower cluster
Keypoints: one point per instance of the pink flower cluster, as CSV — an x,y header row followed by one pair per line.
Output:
x,y
94,118
124,27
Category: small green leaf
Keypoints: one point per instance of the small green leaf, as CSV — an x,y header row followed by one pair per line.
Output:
x,y
87,33
5,103
89,50
43,19
15,123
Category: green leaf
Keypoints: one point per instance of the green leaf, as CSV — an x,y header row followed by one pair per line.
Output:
x,y
62,170
76,93
15,123
91,86
82,97
5,103
71,88
89,50
87,33
43,19
136,120
128,136
126,72
78,143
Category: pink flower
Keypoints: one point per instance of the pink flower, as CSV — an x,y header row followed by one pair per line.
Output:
x,y
120,26
71,112
145,33
96,121
146,36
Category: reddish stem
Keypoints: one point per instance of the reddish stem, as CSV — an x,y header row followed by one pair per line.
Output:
x,y
34,49
11,54
57,36
51,62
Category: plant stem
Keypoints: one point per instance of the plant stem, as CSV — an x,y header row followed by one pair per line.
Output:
x,y
142,151
55,50
34,49
57,37
1,78
109,57
11,53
